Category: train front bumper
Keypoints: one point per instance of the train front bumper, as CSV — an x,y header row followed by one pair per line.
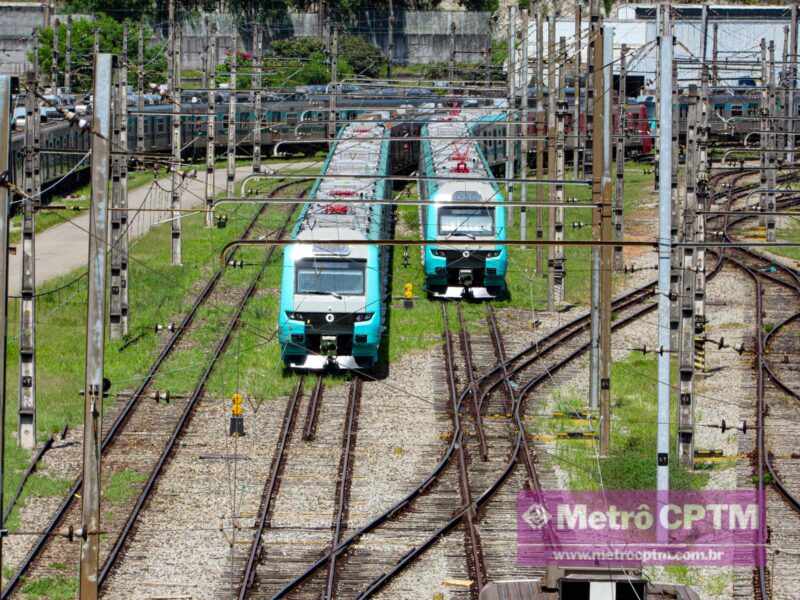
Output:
x,y
479,274
332,341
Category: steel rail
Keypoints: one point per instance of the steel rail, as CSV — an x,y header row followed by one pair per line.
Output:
x,y
345,478
466,351
312,414
197,393
636,295
475,562
271,489
122,416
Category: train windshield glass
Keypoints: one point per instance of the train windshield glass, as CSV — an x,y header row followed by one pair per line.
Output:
x,y
471,221
330,277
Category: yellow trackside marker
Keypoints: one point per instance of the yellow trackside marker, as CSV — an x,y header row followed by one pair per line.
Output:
x,y
237,418
408,291
237,410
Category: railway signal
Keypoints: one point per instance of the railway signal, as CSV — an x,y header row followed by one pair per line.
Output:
x,y
237,416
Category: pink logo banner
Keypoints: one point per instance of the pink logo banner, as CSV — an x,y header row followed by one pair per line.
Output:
x,y
634,528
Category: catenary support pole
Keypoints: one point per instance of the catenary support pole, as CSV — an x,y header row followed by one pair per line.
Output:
x,y
763,127
790,142
68,58
541,265
606,235
594,129
451,75
26,435
54,65
211,124
258,51
5,197
772,142
552,95
333,86
557,267
512,102
123,142
714,65
140,148
577,149
175,93
95,330
525,90
619,188
230,172
390,41
687,296
115,303
664,254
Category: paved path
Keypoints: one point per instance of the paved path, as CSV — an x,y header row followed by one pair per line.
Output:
x,y
64,248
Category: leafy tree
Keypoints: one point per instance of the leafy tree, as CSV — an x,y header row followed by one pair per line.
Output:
x,y
110,41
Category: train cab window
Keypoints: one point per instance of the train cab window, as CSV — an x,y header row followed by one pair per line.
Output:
x,y
330,277
736,110
469,221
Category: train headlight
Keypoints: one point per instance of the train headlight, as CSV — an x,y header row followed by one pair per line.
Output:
x,y
439,252
296,316
493,253
361,317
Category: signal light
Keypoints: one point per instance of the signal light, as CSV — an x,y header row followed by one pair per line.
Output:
x,y
237,415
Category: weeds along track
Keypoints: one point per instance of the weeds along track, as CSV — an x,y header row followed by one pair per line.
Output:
x,y
774,464
144,432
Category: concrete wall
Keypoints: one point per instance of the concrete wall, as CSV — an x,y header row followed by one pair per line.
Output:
x,y
419,37
17,22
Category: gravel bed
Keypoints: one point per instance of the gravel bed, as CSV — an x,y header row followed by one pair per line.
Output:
x,y
213,482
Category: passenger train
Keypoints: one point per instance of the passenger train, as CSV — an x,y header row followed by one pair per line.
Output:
x,y
333,296
466,205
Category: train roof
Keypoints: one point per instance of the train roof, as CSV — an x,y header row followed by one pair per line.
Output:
x,y
359,150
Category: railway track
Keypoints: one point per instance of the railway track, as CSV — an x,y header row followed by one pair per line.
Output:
x,y
142,435
775,412
446,506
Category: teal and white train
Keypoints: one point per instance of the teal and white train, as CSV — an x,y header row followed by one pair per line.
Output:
x,y
466,205
333,295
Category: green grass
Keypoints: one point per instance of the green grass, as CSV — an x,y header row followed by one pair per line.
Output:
x,y
789,233
59,587
122,485
631,462
159,293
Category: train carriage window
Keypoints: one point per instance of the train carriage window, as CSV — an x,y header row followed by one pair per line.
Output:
x,y
330,277
161,124
736,110
720,108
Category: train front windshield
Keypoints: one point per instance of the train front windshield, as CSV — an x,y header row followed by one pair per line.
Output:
x,y
470,221
336,277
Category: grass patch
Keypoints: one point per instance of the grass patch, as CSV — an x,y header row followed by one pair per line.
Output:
x,y
631,462
789,233
58,587
159,293
122,485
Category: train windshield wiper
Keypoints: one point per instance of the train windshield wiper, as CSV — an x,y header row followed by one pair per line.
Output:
x,y
336,295
459,232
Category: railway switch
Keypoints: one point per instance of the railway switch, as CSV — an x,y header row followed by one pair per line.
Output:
x,y
222,221
237,415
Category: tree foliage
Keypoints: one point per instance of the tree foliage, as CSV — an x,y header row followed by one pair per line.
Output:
x,y
110,32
